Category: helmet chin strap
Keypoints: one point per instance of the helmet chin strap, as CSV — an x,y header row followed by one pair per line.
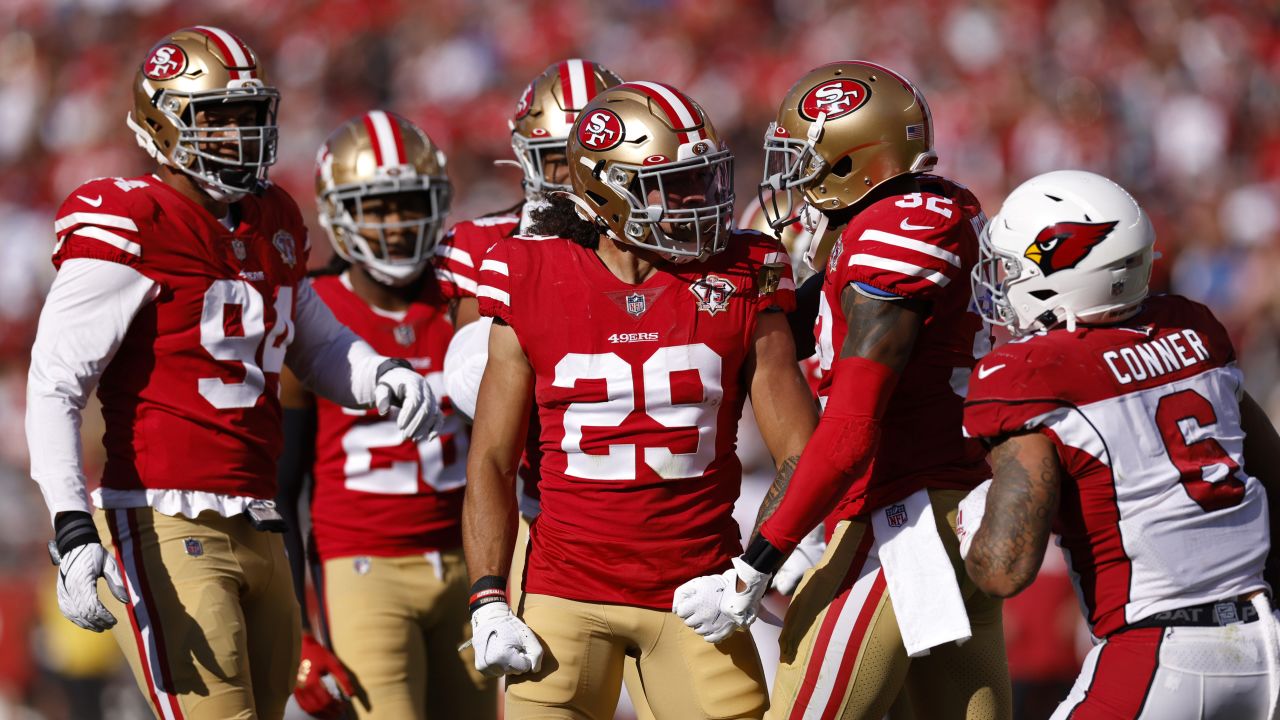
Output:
x,y
391,280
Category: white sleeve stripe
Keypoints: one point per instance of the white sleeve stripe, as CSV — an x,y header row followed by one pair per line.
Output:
x,y
461,281
875,261
87,218
494,293
495,266
910,244
462,257
775,257
106,236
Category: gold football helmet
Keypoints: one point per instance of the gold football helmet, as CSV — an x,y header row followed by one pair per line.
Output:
x,y
183,100
649,168
382,159
842,130
545,114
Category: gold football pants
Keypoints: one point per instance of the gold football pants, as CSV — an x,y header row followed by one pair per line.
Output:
x,y
842,653
212,628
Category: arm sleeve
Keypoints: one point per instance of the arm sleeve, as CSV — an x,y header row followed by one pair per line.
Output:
x,y
916,264
292,477
84,320
464,365
328,358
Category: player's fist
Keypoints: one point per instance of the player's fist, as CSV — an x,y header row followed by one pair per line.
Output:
x,y
323,683
400,386
503,644
969,516
78,573
716,605
806,555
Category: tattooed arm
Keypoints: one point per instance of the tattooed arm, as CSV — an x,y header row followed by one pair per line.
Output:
x,y
780,398
1023,500
881,330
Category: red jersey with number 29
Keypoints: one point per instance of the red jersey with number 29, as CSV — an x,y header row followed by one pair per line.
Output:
x,y
375,492
919,246
1156,510
191,397
639,389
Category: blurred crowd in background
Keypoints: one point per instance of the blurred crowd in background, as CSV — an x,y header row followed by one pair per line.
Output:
x,y
1178,100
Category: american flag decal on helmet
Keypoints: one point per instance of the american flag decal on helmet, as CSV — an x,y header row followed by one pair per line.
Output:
x,y
915,132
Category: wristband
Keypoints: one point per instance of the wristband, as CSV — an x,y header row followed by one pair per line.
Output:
x,y
72,529
763,556
390,363
488,589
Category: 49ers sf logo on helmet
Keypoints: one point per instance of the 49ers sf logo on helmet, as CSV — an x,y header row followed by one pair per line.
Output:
x,y
165,63
600,130
836,98
526,102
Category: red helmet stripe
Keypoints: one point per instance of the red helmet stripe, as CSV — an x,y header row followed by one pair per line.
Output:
x,y
680,111
566,85
397,139
592,80
234,52
388,146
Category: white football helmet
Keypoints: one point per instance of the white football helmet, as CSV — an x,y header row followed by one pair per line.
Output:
x,y
1067,246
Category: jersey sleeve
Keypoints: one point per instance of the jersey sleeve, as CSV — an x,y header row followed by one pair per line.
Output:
x,y
774,282
495,283
100,221
457,261
1010,392
914,252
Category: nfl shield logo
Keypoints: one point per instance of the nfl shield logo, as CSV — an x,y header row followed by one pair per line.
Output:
x,y
896,515
193,547
636,304
404,334
362,565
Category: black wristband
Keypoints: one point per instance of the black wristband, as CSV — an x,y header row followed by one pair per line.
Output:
x,y
486,590
390,363
72,529
763,556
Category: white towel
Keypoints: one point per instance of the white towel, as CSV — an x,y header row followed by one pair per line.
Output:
x,y
919,575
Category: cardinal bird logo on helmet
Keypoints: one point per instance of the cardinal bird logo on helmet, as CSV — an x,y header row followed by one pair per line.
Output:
x,y
1065,244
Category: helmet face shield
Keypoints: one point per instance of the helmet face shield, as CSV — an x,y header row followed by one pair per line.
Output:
x,y
227,138
990,279
682,209
536,156
789,164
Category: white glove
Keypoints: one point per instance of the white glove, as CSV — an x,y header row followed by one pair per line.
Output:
x,y
969,516
713,606
419,414
78,573
806,555
503,644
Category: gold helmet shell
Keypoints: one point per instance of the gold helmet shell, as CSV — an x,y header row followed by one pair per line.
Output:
x,y
545,114
377,154
197,69
841,131
649,168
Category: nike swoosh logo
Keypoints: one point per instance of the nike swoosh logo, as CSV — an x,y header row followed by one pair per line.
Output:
x,y
908,226
985,372
96,202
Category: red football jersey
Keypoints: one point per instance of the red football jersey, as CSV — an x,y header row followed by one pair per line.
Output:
x,y
920,246
639,390
191,398
1157,510
458,255
376,493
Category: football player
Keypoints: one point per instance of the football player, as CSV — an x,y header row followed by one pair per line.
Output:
x,y
385,511
181,295
1119,421
638,329
875,619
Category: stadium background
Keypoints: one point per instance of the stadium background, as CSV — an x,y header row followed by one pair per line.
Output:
x,y
1177,100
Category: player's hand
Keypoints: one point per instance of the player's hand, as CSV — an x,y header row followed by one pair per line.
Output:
x,y
969,516
806,555
400,386
714,606
324,685
503,644
78,573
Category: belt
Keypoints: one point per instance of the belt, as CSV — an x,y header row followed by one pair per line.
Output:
x,y
1211,614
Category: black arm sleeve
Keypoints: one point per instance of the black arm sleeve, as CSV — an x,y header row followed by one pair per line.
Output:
x,y
806,313
293,477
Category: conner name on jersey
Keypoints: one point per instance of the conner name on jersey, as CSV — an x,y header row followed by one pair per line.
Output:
x,y
1167,354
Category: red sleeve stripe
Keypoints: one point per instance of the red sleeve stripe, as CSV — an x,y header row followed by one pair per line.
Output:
x,y
902,241
388,146
234,52
680,111
101,219
897,266
489,291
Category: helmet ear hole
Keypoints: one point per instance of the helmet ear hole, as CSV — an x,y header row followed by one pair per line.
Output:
x,y
843,167
596,198
1042,295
